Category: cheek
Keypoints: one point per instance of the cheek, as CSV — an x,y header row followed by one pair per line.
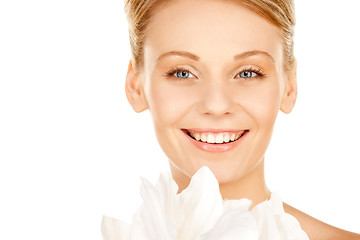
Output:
x,y
168,104
262,103
269,104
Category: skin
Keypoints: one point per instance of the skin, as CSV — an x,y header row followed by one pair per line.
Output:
x,y
210,93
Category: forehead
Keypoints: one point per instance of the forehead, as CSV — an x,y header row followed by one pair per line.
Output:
x,y
210,29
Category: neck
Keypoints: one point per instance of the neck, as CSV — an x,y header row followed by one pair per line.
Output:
x,y
251,186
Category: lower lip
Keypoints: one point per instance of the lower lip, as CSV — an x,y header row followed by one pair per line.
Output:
x,y
215,147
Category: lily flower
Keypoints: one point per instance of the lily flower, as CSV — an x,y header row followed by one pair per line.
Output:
x,y
199,213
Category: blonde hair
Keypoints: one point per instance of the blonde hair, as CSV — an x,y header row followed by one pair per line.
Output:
x,y
281,13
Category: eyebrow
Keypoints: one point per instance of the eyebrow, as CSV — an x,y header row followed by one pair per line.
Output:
x,y
179,53
253,53
197,58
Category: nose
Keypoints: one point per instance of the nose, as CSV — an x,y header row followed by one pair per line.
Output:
x,y
216,100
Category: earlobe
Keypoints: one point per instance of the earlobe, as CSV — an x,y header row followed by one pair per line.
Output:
x,y
134,91
290,94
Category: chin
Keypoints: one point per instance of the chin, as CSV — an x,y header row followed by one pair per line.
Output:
x,y
223,172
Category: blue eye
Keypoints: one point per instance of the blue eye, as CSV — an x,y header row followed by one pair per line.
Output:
x,y
183,74
179,73
247,74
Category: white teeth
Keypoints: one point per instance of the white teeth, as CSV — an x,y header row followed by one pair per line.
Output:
x,y
203,137
232,137
215,138
211,138
219,138
197,136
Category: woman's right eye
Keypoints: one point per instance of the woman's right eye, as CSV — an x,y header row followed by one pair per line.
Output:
x,y
179,74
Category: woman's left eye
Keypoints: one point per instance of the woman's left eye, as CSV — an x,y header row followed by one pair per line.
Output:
x,y
248,74
183,74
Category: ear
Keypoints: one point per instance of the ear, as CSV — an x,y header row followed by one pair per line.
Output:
x,y
134,90
290,94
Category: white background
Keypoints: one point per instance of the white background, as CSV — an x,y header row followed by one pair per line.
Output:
x,y
72,149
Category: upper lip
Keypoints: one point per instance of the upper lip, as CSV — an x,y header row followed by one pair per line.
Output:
x,y
213,130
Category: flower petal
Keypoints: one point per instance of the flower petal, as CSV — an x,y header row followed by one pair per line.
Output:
x,y
168,189
201,204
243,203
156,225
113,229
236,224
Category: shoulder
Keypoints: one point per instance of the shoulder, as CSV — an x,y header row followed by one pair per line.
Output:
x,y
318,230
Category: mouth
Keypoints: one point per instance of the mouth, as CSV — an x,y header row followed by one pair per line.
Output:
x,y
215,136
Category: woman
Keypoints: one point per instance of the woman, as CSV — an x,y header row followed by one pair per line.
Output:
x,y
214,75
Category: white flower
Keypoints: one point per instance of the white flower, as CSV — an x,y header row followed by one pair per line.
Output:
x,y
198,213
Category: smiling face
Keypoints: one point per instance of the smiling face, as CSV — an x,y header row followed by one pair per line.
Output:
x,y
214,81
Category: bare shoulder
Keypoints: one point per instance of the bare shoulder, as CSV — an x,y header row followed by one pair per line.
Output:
x,y
318,230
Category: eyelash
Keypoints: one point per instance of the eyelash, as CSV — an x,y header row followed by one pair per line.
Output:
x,y
258,72
172,71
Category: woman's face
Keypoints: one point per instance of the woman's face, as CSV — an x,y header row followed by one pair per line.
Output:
x,y
215,69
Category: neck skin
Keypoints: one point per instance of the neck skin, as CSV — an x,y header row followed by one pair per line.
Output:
x,y
251,186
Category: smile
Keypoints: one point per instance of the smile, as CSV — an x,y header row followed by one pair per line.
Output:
x,y
213,140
